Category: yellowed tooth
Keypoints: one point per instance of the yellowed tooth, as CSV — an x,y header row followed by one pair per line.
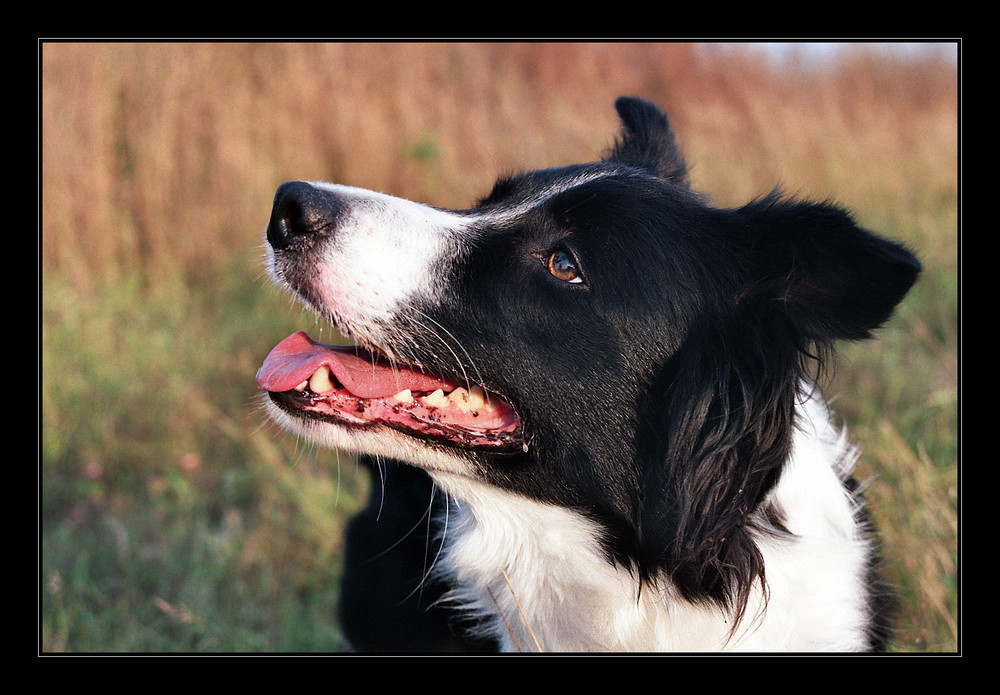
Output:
x,y
436,399
320,382
482,402
302,386
460,397
477,399
404,396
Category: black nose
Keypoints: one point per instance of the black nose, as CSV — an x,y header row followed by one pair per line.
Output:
x,y
300,210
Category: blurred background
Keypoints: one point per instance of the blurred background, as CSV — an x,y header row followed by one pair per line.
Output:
x,y
173,517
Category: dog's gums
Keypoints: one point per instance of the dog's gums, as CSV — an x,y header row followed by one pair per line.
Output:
x,y
356,388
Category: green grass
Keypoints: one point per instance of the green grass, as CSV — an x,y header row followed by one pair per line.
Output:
x,y
898,396
173,517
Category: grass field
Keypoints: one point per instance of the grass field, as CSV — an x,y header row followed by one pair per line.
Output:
x,y
173,518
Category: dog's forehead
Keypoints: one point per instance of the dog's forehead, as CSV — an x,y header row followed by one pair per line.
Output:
x,y
515,196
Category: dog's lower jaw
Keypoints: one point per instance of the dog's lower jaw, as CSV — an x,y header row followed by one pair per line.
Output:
x,y
377,441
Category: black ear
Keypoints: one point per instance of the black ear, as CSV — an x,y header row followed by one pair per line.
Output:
x,y
647,141
833,279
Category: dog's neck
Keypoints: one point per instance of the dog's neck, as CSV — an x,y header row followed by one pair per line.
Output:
x,y
537,575
535,569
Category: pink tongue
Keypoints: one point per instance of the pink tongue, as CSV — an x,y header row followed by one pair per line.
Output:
x,y
295,358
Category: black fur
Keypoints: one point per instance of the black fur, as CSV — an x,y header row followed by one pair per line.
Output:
x,y
389,600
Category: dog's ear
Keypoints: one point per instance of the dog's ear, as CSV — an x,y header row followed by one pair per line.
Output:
x,y
647,141
831,278
722,432
723,429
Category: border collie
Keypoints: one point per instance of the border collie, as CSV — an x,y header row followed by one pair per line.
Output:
x,y
610,381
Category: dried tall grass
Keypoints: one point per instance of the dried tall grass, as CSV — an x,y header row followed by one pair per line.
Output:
x,y
160,155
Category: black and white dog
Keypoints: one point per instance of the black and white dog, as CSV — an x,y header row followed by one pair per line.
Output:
x,y
609,380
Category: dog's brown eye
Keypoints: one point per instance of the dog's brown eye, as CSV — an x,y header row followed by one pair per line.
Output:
x,y
563,267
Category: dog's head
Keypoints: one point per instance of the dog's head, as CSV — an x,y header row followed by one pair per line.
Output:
x,y
597,336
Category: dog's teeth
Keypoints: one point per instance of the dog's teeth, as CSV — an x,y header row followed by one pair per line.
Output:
x,y
302,386
320,382
436,399
404,396
471,401
481,402
460,397
477,399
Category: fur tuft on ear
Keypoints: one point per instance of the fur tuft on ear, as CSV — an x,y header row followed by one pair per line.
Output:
x,y
647,141
831,278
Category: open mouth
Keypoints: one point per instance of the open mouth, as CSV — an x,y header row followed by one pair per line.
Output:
x,y
353,387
